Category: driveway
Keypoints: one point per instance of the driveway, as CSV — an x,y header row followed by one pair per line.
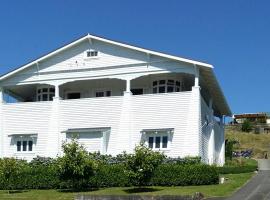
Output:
x,y
258,188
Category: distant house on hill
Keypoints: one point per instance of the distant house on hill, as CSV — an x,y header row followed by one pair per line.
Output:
x,y
260,121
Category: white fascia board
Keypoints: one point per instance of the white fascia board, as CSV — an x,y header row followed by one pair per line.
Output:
x,y
151,52
43,57
110,42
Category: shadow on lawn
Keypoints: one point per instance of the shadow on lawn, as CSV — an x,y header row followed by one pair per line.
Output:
x,y
141,190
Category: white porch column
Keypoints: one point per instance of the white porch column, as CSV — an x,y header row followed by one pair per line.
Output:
x,y
197,74
54,143
193,138
57,92
127,92
125,126
2,95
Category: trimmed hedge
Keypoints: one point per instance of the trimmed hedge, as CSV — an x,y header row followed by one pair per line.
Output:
x,y
183,175
41,173
109,176
236,169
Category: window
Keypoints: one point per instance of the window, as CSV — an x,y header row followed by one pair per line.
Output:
x,y
45,93
103,93
24,145
74,95
164,86
19,144
159,140
151,142
91,53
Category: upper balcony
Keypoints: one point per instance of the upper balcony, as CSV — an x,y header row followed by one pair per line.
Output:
x,y
95,88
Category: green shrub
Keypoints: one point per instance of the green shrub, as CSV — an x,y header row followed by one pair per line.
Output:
x,y
13,173
140,166
109,175
236,169
76,167
182,175
229,147
43,174
184,161
246,126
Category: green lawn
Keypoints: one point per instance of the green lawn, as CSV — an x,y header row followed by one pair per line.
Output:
x,y
234,182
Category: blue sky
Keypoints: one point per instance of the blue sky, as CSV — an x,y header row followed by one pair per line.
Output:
x,y
232,35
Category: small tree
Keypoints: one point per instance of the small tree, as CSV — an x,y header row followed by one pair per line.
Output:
x,y
140,166
246,126
229,147
75,167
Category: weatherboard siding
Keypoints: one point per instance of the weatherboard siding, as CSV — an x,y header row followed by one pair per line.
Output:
x,y
26,118
146,112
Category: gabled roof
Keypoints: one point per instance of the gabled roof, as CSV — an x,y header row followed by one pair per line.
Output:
x,y
215,90
87,37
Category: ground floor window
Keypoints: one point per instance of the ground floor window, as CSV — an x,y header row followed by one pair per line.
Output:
x,y
158,139
157,142
24,143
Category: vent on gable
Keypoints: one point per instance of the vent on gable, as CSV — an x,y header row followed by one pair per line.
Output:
x,y
91,54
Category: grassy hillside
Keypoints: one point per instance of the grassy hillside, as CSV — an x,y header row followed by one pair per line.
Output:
x,y
259,143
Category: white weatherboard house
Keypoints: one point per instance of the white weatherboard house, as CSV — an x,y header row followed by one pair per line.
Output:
x,y
112,96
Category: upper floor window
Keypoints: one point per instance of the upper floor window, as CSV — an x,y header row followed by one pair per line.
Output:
x,y
45,93
91,53
164,86
103,93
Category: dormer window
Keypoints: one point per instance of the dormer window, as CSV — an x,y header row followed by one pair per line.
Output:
x,y
91,53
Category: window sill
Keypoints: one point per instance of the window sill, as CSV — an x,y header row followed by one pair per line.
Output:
x,y
162,150
24,153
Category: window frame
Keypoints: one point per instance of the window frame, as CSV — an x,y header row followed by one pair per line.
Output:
x,y
22,140
41,91
159,133
166,83
104,91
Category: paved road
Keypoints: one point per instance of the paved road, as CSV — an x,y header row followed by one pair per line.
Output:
x,y
258,188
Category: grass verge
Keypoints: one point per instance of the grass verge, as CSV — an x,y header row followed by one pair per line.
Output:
x,y
234,182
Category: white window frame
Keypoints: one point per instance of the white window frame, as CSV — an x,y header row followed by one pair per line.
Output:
x,y
26,138
166,85
158,133
39,95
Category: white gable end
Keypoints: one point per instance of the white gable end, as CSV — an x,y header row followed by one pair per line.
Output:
x,y
72,63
